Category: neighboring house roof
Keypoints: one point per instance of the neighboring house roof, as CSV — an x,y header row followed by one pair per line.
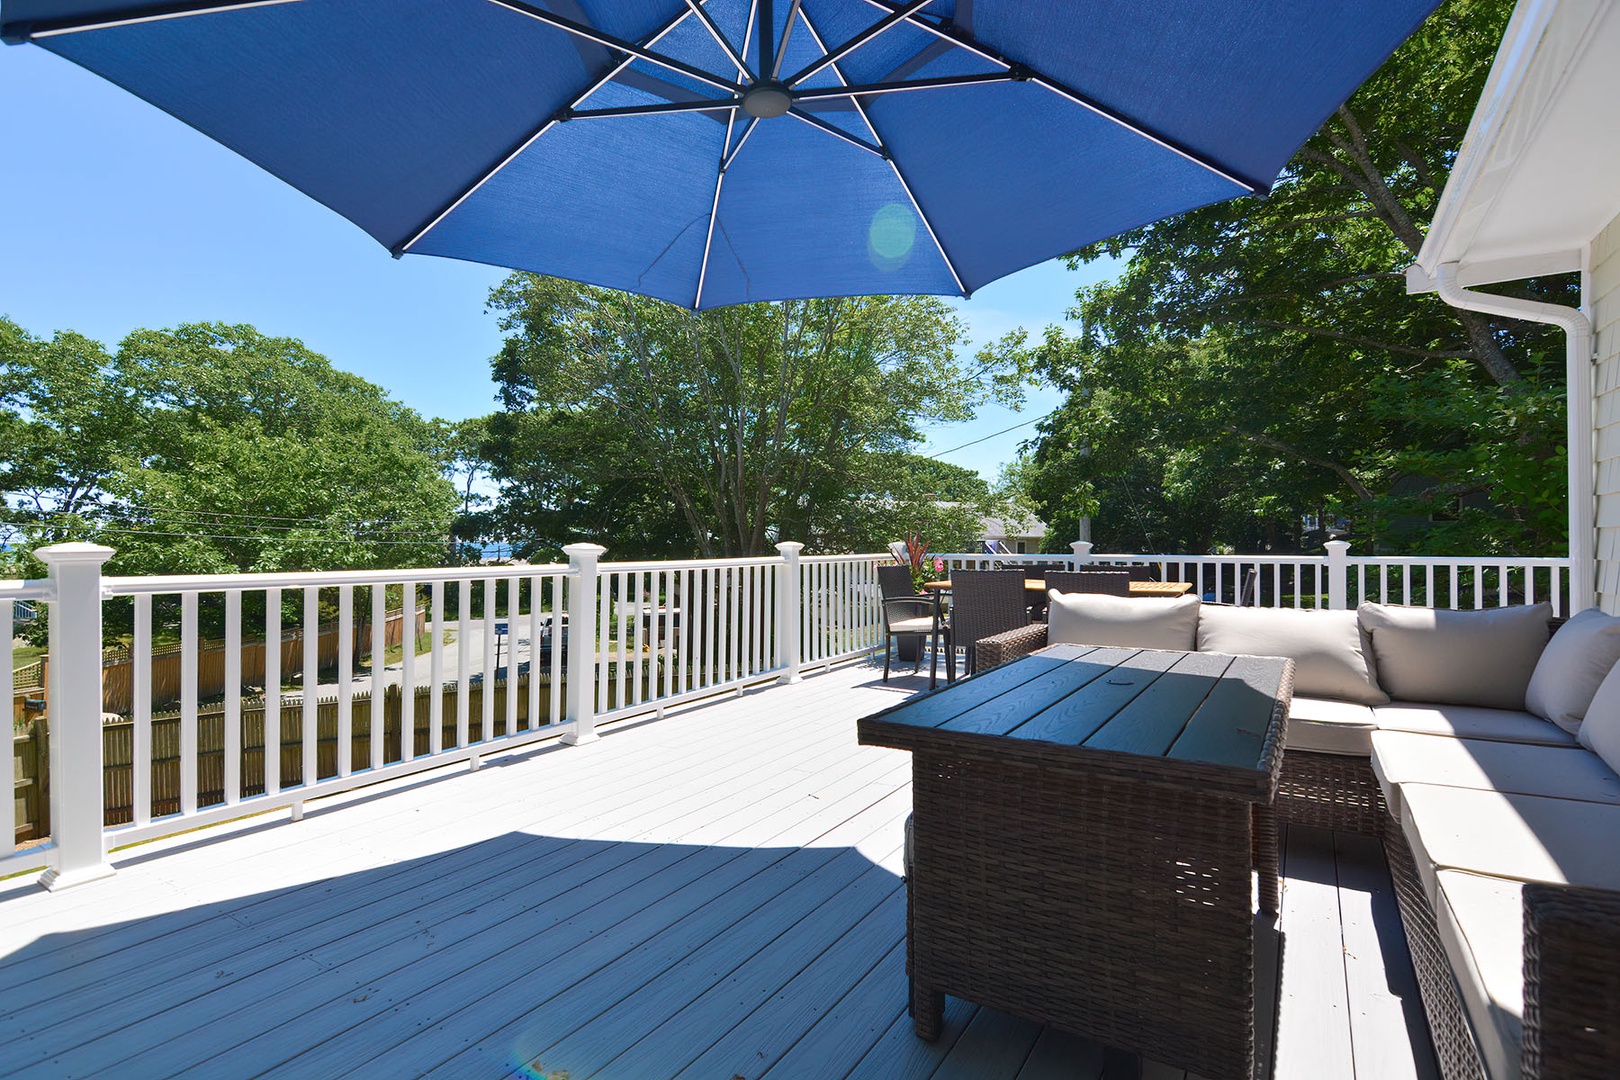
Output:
x,y
1534,181
1031,527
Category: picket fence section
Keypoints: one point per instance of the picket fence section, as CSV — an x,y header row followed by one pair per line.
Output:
x,y
649,635
646,635
1335,579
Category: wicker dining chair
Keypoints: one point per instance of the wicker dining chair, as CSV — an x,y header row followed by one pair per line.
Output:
x,y
1113,582
907,614
983,603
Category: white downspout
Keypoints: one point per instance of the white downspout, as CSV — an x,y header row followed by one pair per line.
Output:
x,y
1578,381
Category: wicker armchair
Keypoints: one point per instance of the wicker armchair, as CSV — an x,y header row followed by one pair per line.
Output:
x,y
985,603
907,614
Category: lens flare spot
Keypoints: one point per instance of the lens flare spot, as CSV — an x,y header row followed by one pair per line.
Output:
x,y
891,236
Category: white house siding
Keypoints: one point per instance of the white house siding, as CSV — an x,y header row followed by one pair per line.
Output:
x,y
1604,298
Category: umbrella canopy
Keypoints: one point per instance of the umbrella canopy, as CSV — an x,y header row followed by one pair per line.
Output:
x,y
711,152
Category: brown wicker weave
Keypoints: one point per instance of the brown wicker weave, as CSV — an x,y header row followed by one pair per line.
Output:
x,y
984,603
1571,982
1453,1039
1007,646
1331,791
1045,880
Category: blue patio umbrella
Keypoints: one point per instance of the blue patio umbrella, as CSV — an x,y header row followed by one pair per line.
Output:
x,y
716,151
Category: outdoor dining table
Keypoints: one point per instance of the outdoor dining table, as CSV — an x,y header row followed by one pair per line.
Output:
x,y
1086,823
1138,588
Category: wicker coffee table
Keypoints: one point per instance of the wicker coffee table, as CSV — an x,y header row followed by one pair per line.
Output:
x,y
1086,825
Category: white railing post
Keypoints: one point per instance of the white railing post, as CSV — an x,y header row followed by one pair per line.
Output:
x,y
1082,551
1338,574
787,611
79,848
580,678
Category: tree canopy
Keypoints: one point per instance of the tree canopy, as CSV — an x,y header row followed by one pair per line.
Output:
x,y
663,432
1259,359
213,448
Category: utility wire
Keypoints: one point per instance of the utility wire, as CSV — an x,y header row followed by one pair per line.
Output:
x,y
176,512
987,438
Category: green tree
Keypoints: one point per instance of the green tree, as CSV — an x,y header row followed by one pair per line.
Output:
x,y
211,449
1285,325
660,431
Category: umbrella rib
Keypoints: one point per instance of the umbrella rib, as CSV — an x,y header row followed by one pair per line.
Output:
x,y
1024,73
580,30
837,132
871,89
719,38
550,122
905,186
748,130
727,152
787,34
714,214
895,18
658,109
19,32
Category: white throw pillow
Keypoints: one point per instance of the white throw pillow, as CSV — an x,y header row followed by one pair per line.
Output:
x,y
1139,622
1572,668
1330,660
1600,731
1482,658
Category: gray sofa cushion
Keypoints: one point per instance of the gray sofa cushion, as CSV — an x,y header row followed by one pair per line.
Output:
x,y
1565,772
1330,727
1522,837
1571,668
1330,660
1481,922
1131,622
1470,722
1600,731
1480,658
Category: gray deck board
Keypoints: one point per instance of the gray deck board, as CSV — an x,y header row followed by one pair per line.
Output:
x,y
713,894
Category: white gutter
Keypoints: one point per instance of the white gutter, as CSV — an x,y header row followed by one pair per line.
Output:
x,y
1578,394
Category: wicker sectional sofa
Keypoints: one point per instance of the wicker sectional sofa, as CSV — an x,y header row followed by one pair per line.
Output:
x,y
1503,838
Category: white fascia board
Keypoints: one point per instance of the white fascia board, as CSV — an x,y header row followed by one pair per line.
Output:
x,y
1473,180
1420,280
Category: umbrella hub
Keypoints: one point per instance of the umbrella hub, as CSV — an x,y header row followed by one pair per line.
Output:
x,y
767,99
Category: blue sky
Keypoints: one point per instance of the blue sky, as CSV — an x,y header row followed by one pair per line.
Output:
x,y
118,217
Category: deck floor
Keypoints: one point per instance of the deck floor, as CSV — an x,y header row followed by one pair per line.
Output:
x,y
715,894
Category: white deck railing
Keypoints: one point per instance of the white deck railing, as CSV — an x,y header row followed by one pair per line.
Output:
x,y
1335,579
649,635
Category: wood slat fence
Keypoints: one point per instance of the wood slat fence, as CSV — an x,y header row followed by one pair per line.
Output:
x,y
32,809
117,688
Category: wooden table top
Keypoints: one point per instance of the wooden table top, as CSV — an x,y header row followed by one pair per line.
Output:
x,y
1138,588
1197,719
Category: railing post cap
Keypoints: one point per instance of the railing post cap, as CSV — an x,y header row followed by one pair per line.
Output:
x,y
790,547
76,552
1337,545
580,551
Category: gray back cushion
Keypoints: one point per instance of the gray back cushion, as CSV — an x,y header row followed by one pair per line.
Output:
x,y
1149,622
1600,731
1574,663
1480,658
1330,658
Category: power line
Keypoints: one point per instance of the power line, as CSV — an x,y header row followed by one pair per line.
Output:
x,y
987,438
426,538
176,512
